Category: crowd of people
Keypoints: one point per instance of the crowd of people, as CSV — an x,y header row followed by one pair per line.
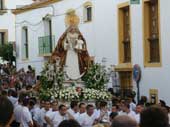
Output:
x,y
30,112
10,78
19,109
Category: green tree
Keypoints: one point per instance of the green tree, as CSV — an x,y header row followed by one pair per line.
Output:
x,y
6,52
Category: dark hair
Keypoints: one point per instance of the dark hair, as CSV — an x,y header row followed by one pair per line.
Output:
x,y
33,99
6,110
4,93
25,101
103,104
69,123
139,104
163,103
111,90
14,93
143,100
113,115
10,92
73,104
22,96
89,106
115,105
61,106
29,67
97,104
126,104
31,102
154,116
81,104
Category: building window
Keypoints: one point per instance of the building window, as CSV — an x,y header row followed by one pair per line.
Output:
x,y
87,12
124,34
46,41
125,82
47,27
1,4
2,7
151,33
2,38
25,48
48,33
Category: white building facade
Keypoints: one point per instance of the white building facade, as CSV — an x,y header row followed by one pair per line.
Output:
x,y
7,19
123,33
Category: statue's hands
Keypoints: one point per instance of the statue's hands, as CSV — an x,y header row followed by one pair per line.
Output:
x,y
66,46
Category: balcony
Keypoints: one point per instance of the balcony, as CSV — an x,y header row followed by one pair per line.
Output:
x,y
3,12
46,45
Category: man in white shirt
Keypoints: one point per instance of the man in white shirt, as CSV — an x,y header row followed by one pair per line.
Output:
x,y
13,99
60,115
50,114
126,110
18,110
139,109
43,112
17,114
97,109
104,113
88,119
37,113
82,109
132,104
26,119
74,109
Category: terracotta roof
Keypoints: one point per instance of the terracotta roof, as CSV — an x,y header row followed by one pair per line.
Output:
x,y
35,5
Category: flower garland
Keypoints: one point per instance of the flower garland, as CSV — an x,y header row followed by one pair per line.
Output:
x,y
74,93
93,94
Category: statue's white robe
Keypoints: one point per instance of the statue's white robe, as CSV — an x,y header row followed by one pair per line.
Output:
x,y
72,63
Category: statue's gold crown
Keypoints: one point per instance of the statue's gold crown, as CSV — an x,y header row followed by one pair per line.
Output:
x,y
71,18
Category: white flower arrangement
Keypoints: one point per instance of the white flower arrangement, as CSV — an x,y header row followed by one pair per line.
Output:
x,y
93,94
71,93
52,76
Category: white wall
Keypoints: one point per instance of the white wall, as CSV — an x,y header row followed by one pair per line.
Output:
x,y
102,37
159,77
152,78
7,21
33,21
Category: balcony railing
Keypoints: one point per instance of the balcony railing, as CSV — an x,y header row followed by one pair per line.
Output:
x,y
2,11
46,45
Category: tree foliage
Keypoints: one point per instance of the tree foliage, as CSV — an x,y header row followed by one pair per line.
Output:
x,y
6,52
96,77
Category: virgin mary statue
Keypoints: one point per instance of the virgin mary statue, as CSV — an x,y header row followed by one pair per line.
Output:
x,y
72,51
